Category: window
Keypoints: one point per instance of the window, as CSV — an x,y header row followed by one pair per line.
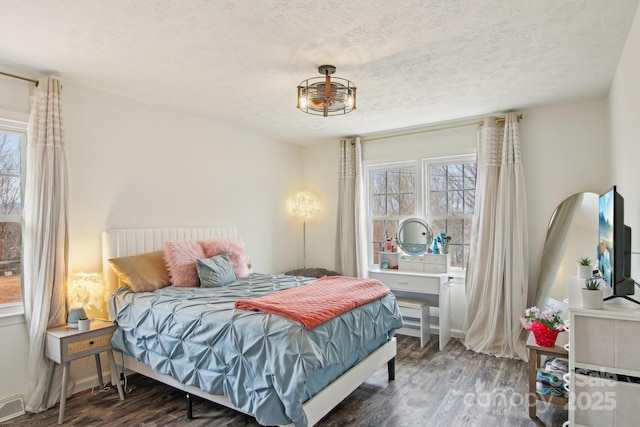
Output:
x,y
450,186
392,197
13,139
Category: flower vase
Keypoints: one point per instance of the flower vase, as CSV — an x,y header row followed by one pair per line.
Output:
x,y
545,337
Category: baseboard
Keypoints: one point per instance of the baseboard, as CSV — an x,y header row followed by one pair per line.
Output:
x,y
91,382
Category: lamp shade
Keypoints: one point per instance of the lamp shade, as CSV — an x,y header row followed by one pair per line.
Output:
x,y
85,290
305,205
74,315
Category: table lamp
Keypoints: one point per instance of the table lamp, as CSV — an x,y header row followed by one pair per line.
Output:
x,y
84,291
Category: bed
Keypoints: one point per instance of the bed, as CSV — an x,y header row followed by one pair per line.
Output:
x,y
281,373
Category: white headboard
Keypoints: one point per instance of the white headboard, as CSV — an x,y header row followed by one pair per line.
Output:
x,y
135,241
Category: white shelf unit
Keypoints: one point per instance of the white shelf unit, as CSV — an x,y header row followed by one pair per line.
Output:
x,y
605,347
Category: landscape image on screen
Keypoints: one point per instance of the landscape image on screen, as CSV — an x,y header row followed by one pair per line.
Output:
x,y
605,236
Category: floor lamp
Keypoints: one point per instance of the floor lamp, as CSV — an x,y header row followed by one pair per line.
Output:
x,y
305,205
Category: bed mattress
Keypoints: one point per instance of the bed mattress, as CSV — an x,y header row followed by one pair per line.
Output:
x,y
267,365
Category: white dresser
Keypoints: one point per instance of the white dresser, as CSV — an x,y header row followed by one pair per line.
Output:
x,y
428,286
604,362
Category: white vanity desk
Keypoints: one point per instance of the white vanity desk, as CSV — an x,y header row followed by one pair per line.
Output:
x,y
430,286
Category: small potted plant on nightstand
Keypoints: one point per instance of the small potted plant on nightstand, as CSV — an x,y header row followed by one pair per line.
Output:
x,y
84,324
592,295
584,268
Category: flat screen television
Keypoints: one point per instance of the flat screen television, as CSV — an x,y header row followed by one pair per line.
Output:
x,y
614,245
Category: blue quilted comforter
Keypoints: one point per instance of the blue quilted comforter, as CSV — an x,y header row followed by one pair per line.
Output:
x,y
267,365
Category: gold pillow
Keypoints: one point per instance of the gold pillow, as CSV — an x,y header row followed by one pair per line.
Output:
x,y
142,273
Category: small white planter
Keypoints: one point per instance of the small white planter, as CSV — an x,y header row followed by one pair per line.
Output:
x,y
592,299
84,324
584,271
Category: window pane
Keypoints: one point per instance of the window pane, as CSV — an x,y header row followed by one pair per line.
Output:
x,y
393,205
378,205
10,265
470,176
10,204
382,229
407,204
379,182
469,201
438,178
391,196
439,226
455,230
393,182
456,203
10,197
438,203
455,177
407,181
456,255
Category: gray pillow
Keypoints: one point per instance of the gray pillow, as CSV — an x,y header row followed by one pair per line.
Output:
x,y
215,271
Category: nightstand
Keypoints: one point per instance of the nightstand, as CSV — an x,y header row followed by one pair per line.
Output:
x,y
535,353
64,344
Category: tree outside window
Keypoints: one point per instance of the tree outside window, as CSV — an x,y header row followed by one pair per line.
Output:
x,y
450,190
392,197
10,215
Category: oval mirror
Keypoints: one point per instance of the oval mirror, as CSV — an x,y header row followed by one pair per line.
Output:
x,y
414,236
572,234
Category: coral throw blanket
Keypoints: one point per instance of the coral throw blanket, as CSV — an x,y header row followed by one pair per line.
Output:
x,y
319,301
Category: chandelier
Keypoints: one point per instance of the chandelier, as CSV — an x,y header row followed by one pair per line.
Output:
x,y
326,96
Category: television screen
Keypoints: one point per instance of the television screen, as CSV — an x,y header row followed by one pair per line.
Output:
x,y
614,245
605,236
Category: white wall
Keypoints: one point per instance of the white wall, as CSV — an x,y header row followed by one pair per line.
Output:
x,y
133,165
564,151
624,115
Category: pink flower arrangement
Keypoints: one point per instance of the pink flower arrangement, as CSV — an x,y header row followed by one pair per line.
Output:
x,y
550,318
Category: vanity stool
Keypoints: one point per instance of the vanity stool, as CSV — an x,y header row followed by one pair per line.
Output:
x,y
415,315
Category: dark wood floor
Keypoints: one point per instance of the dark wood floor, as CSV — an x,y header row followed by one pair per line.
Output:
x,y
451,388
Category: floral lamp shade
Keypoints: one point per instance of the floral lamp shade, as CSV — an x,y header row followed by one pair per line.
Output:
x,y
305,205
84,291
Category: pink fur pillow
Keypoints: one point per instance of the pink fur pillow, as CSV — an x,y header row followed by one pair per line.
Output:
x,y
235,249
181,256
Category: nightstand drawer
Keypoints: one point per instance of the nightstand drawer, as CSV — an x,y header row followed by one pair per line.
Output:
x,y
94,344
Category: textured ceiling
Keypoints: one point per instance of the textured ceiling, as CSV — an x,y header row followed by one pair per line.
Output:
x,y
238,62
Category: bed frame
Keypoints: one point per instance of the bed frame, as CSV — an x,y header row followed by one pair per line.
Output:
x,y
126,242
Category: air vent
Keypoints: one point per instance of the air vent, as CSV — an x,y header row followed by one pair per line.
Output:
x,y
11,407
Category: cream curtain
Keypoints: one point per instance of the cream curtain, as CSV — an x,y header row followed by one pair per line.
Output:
x,y
497,272
45,238
351,241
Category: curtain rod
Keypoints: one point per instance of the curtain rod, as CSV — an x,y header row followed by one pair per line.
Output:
x,y
20,78
497,120
396,135
501,119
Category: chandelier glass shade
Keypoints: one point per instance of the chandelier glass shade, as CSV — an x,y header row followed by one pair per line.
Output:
x,y
326,96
